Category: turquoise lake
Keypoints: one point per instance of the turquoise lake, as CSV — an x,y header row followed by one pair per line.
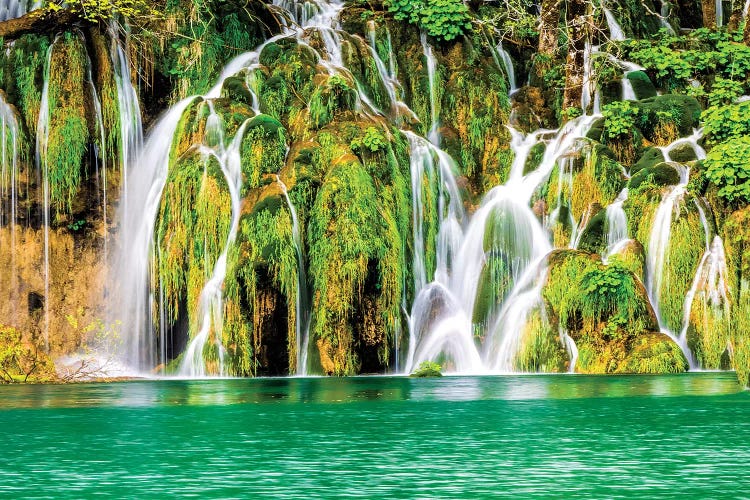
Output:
x,y
455,437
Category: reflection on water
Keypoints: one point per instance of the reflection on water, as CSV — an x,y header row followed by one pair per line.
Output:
x,y
170,392
395,437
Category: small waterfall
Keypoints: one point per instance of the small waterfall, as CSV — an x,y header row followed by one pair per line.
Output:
x,y
147,176
507,64
434,133
42,138
572,348
719,13
390,86
711,281
661,231
615,31
9,163
303,295
101,150
617,223
628,92
210,308
691,140
664,16
12,9
131,127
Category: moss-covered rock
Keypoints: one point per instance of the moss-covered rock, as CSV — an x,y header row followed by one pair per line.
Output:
x,y
664,118
605,310
642,85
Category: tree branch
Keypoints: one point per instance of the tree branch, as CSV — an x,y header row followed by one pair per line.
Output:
x,y
37,21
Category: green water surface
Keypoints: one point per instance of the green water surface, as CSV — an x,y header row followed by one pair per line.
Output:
x,y
685,436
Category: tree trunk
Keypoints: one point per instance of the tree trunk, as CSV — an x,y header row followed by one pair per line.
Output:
x,y
709,13
548,31
37,21
746,33
574,66
736,17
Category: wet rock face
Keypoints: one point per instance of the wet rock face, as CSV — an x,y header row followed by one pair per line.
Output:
x,y
66,313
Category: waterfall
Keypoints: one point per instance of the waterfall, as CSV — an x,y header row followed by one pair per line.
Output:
x,y
9,163
131,127
147,176
615,31
628,93
42,137
617,223
507,66
442,324
434,133
101,151
210,308
303,297
661,231
711,280
719,13
664,15
12,9
572,348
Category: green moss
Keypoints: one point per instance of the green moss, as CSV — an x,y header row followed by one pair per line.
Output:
x,y
334,96
263,150
427,369
195,202
68,136
642,85
686,246
541,348
263,259
605,309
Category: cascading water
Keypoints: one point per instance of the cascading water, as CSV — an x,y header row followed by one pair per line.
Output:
x,y
615,31
210,308
617,223
303,295
507,65
503,229
12,9
710,283
131,127
144,192
9,163
147,177
429,55
42,137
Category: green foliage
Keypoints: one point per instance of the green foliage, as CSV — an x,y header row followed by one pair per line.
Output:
x,y
722,123
724,91
22,361
728,167
442,19
428,369
336,95
619,119
373,141
68,133
97,11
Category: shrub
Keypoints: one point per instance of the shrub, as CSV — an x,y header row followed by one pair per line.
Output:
x,y
728,166
722,123
619,119
428,369
442,19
